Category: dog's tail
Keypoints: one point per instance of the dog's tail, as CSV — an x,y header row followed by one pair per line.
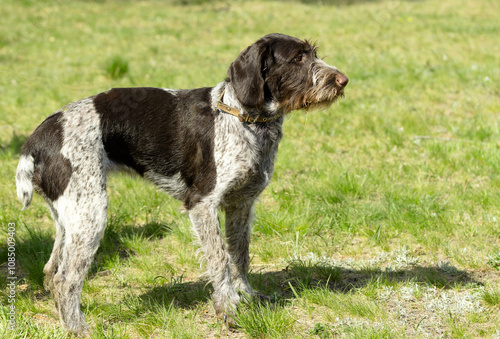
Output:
x,y
24,179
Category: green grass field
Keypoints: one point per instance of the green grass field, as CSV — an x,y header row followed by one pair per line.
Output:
x,y
382,219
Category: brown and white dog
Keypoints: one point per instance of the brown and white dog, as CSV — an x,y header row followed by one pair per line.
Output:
x,y
210,147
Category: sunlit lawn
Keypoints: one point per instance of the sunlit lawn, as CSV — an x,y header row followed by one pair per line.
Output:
x,y
382,218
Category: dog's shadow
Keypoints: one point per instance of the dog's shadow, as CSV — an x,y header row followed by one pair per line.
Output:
x,y
112,244
174,291
283,284
297,277
288,283
34,247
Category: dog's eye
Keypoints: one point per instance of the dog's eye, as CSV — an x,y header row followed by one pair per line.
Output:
x,y
298,58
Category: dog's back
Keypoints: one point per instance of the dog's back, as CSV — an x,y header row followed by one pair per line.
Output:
x,y
164,135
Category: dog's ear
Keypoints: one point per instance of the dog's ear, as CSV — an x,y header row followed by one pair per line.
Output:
x,y
246,76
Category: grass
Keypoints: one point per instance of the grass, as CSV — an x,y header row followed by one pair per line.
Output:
x,y
491,298
264,320
117,67
381,220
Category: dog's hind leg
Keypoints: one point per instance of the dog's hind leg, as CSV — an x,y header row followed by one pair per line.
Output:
x,y
50,268
83,217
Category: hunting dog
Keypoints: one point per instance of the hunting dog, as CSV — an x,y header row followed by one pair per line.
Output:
x,y
211,148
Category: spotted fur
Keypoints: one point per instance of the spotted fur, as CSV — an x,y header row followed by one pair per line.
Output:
x,y
181,142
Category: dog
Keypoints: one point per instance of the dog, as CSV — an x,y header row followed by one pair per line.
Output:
x,y
212,148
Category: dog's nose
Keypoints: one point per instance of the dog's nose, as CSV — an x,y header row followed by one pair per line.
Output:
x,y
342,80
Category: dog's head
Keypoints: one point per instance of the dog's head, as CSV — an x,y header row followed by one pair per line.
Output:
x,y
284,70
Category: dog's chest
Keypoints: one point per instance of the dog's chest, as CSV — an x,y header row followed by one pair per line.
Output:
x,y
245,156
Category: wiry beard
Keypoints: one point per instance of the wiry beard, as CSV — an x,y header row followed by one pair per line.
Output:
x,y
322,93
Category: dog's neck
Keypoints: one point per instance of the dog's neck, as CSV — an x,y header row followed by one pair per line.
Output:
x,y
228,103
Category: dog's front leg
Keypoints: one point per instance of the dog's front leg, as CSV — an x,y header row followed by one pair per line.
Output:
x,y
239,218
207,227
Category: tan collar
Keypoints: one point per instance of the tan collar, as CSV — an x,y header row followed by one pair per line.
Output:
x,y
237,113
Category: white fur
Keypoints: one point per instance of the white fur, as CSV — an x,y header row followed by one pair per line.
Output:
x,y
24,185
320,64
